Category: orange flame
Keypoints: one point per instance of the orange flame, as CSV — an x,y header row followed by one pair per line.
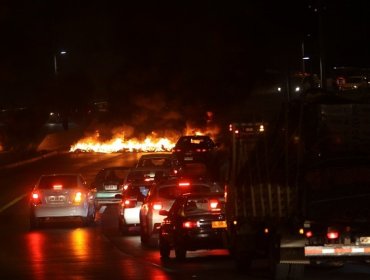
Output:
x,y
151,143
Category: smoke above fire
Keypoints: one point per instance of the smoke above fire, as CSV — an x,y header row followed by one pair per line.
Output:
x,y
155,126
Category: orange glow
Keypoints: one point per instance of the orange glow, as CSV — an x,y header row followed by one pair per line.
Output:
x,y
35,243
151,143
78,197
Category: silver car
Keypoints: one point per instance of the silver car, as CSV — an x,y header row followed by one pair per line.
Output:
x,y
61,195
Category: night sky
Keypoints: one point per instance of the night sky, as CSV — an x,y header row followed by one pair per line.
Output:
x,y
207,52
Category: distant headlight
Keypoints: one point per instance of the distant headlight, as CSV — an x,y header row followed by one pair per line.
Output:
x,y
279,89
297,89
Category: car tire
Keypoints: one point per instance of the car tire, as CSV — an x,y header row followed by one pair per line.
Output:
x,y
180,252
123,228
164,250
144,238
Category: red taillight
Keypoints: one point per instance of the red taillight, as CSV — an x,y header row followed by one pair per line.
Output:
x,y
332,235
129,203
190,224
184,184
309,234
157,206
125,187
213,204
35,198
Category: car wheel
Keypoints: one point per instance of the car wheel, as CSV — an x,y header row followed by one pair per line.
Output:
x,y
123,228
164,249
144,238
180,252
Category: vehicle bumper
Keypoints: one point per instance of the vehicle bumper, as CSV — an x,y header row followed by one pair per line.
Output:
x,y
205,240
61,211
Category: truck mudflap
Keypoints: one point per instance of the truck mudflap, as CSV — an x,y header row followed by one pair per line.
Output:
x,y
293,256
337,251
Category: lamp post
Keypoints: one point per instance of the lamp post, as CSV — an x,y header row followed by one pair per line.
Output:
x,y
56,62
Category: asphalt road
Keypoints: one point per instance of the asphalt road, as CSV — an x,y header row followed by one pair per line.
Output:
x,y
67,250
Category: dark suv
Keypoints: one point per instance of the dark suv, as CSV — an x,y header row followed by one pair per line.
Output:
x,y
195,148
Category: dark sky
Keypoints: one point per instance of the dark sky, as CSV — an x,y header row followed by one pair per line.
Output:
x,y
181,49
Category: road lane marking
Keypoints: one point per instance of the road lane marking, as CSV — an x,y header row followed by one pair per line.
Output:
x,y
11,203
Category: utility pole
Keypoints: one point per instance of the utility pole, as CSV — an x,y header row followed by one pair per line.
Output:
x,y
321,45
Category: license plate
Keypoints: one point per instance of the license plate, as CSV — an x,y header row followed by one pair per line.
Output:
x,y
56,198
218,224
110,187
365,240
188,158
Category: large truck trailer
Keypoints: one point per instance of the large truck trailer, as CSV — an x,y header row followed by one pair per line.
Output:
x,y
298,191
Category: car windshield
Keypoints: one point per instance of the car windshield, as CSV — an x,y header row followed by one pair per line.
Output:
x,y
115,174
195,142
204,205
153,162
137,192
62,181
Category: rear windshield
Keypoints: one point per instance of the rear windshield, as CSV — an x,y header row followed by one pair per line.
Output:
x,y
136,191
63,181
195,142
204,205
155,162
115,174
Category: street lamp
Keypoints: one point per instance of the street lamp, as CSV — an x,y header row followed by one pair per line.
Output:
x,y
55,61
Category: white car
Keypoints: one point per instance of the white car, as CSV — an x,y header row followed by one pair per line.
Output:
x,y
61,195
161,197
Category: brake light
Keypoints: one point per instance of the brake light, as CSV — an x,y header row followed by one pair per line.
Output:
x,y
129,203
332,235
309,234
78,197
201,150
149,179
190,224
213,204
157,206
57,187
125,187
184,184
35,198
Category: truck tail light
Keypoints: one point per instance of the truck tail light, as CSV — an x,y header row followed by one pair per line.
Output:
x,y
332,234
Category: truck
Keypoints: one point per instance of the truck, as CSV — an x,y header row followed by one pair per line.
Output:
x,y
298,190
